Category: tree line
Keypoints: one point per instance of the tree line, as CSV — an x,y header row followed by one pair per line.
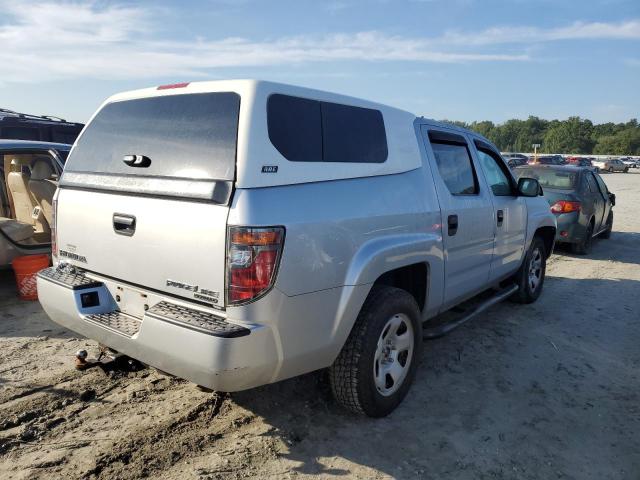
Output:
x,y
573,135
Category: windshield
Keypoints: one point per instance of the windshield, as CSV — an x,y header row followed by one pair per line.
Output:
x,y
550,178
188,136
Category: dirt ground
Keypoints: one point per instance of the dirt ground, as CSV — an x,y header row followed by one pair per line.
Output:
x,y
548,390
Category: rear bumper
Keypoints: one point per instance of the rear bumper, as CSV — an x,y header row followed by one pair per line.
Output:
x,y
569,228
224,356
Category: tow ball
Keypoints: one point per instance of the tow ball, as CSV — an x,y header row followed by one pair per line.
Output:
x,y
107,359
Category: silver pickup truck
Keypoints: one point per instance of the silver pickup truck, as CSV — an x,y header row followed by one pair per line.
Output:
x,y
237,233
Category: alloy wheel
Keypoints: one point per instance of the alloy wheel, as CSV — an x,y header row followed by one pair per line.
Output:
x,y
394,354
535,269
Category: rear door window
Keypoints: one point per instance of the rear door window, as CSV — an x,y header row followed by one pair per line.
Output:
x,y
454,163
591,183
21,133
603,187
64,134
189,136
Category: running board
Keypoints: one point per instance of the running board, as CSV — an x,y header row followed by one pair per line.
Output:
x,y
443,329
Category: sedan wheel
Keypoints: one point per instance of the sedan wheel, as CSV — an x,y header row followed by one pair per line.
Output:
x,y
584,247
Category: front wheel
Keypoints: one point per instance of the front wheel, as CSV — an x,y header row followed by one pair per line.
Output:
x,y
530,276
610,170
376,366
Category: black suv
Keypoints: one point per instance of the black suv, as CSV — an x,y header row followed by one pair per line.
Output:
x,y
21,126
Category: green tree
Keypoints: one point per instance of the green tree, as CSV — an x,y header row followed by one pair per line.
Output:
x,y
573,135
570,136
625,142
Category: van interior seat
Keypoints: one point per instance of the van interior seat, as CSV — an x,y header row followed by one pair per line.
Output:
x,y
17,231
43,187
23,200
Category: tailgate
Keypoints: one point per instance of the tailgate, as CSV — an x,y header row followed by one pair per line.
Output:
x,y
145,192
176,246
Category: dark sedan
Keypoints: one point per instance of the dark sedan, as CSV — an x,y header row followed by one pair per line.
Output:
x,y
579,198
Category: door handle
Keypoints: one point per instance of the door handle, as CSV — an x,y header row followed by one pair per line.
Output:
x,y
124,224
500,217
452,222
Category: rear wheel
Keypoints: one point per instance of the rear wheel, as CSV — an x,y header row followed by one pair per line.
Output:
x,y
376,366
626,170
584,246
530,276
607,232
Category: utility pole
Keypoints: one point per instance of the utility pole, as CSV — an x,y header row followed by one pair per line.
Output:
x,y
535,146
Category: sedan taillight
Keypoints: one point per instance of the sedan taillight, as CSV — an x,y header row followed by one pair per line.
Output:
x,y
565,206
253,255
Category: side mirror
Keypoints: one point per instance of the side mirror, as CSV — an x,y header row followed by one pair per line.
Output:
x,y
612,198
529,187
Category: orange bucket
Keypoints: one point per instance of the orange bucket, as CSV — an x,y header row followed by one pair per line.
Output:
x,y
25,269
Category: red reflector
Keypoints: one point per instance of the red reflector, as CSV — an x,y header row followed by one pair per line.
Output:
x,y
564,206
173,85
564,233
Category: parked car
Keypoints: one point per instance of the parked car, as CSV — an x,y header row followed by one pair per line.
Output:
x,y
516,162
22,126
29,173
586,163
547,160
629,162
515,159
580,200
611,165
238,233
580,161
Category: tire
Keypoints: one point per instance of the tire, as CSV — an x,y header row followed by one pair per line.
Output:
x,y
626,170
365,356
584,247
606,234
534,263
610,170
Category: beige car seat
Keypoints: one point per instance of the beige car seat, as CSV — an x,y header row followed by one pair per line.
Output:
x,y
43,187
24,202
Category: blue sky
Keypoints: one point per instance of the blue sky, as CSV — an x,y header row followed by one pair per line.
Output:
x,y
454,59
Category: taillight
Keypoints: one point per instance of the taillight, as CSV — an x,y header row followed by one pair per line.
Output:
x,y
54,229
564,206
253,254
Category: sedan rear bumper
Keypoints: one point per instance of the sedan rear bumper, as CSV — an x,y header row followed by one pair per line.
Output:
x,y
570,230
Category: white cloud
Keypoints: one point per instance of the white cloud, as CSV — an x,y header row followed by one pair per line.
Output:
x,y
629,30
44,40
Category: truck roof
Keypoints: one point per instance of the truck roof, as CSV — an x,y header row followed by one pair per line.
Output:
x,y
254,149
242,86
